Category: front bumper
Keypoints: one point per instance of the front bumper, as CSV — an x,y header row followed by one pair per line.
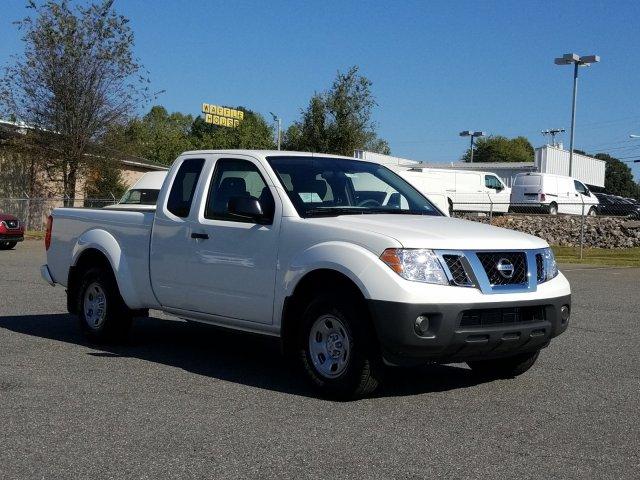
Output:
x,y
4,237
447,341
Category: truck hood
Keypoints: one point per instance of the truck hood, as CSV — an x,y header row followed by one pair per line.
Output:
x,y
414,231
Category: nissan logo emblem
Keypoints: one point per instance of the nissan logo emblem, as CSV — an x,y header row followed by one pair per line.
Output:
x,y
505,268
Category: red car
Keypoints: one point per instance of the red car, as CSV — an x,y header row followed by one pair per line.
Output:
x,y
11,231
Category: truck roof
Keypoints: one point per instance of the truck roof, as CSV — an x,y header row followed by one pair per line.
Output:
x,y
272,153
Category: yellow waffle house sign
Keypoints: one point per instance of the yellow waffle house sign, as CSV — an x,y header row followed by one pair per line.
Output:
x,y
222,116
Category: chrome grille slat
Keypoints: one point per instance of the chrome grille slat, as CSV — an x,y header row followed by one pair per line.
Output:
x,y
540,273
459,275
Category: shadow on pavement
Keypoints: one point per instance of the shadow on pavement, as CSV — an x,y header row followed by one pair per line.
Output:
x,y
226,355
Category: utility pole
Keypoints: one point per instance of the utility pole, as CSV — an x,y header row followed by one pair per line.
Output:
x,y
553,132
278,120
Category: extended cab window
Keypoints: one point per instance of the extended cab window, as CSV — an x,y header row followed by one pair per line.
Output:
x,y
236,178
184,187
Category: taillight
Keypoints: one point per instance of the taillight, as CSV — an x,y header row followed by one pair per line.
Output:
x,y
543,197
47,235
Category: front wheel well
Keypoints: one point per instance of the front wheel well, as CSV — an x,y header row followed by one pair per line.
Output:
x,y
312,284
90,258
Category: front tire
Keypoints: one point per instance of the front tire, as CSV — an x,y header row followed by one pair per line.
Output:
x,y
103,315
508,367
7,245
592,212
336,350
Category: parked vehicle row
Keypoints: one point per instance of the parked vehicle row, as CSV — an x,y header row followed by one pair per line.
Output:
x,y
342,260
616,205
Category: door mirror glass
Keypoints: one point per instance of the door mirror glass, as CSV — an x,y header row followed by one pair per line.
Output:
x,y
246,207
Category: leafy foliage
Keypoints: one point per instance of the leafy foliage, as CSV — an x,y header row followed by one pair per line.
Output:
x,y
618,177
338,121
104,181
76,78
501,149
161,136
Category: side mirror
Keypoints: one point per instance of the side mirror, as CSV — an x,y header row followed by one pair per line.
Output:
x,y
248,208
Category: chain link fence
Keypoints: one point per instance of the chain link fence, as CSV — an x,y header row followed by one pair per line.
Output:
x,y
33,212
611,225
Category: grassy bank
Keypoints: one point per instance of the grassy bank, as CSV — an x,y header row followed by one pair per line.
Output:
x,y
599,256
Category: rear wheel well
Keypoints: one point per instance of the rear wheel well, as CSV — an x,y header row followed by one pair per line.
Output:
x,y
90,258
312,284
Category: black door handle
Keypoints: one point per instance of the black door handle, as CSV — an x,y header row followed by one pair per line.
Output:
x,y
201,236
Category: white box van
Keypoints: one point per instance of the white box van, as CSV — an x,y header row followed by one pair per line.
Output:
x,y
465,191
552,194
144,193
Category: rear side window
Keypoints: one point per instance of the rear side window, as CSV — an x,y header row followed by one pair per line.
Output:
x,y
184,187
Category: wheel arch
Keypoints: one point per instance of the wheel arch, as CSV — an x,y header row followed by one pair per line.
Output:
x,y
99,247
311,284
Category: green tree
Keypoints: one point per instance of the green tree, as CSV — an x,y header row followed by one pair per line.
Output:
x,y
103,181
76,77
497,148
339,120
253,132
618,177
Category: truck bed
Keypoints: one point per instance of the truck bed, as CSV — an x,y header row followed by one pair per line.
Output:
x,y
124,234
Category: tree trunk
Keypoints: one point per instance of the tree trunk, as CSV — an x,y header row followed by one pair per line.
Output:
x,y
70,183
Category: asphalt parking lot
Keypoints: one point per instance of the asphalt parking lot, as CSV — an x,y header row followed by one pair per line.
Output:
x,y
179,401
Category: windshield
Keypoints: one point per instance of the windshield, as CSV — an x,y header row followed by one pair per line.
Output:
x,y
335,186
147,196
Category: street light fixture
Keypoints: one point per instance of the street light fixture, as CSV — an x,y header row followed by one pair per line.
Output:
x,y
469,133
634,136
577,61
279,121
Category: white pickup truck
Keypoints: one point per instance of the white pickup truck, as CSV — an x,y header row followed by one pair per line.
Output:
x,y
285,244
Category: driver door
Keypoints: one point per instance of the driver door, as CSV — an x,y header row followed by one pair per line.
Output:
x,y
234,259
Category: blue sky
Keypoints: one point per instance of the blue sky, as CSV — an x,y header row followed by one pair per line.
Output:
x,y
437,67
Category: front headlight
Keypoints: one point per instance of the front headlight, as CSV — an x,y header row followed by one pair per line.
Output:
x,y
415,264
550,265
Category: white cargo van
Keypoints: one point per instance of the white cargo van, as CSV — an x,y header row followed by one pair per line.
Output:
x,y
553,194
144,193
465,191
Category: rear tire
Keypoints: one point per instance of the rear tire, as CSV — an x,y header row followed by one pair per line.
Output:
x,y
336,348
103,315
508,367
553,209
4,245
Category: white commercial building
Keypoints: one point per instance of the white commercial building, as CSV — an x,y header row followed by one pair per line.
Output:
x,y
547,159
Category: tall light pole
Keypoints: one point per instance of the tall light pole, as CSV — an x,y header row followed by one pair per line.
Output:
x,y
577,61
469,133
279,122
